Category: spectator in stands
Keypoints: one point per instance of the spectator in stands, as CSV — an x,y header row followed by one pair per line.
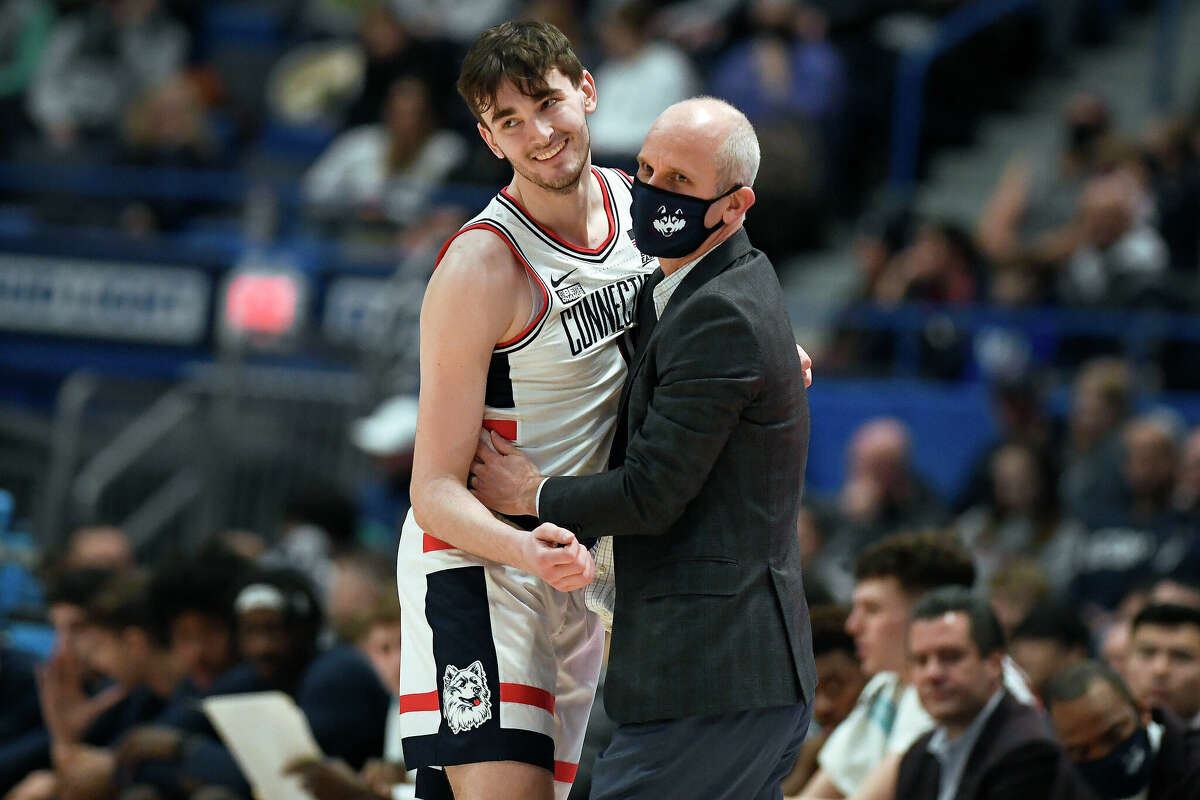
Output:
x,y
100,546
785,67
387,171
460,22
122,643
1091,484
1119,747
940,266
67,601
1116,630
1177,590
864,750
790,81
98,59
841,682
1020,415
956,657
884,234
358,581
1187,488
641,76
1021,515
278,618
192,604
1164,660
882,494
1148,538
393,52
1051,637
386,435
1014,589
24,30
166,126
377,634
1169,153
319,526
1121,260
1032,209
21,746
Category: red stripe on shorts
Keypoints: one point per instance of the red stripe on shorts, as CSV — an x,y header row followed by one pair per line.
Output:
x,y
432,543
427,701
564,772
505,427
529,695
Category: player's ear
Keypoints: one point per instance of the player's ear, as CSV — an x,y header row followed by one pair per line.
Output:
x,y
486,134
587,85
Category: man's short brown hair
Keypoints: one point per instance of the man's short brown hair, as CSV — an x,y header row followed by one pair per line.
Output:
x,y
522,52
919,562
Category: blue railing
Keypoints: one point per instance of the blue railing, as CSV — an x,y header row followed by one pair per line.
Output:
x,y
1042,330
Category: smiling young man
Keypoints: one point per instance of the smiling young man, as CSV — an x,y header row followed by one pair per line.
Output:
x,y
519,329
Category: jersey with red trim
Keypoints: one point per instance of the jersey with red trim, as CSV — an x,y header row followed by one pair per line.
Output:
x,y
555,388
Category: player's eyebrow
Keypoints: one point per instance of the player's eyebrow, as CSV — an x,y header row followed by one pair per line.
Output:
x,y
537,97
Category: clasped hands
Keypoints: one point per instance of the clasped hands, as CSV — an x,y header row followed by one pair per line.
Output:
x,y
504,480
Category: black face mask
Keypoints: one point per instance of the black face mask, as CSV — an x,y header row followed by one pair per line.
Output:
x,y
668,224
1125,771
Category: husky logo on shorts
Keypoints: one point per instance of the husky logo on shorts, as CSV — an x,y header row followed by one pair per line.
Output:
x,y
669,224
466,699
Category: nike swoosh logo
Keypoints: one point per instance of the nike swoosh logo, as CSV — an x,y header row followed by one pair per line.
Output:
x,y
561,278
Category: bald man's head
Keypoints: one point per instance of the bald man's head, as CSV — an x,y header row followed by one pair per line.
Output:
x,y
731,136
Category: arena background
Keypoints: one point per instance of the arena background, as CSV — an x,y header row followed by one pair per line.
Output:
x,y
217,218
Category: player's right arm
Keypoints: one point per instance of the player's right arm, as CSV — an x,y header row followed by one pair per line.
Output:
x,y
478,296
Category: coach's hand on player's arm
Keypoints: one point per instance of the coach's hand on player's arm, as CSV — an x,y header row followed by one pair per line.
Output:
x,y
502,478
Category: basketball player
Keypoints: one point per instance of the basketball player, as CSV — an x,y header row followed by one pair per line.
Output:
x,y
520,327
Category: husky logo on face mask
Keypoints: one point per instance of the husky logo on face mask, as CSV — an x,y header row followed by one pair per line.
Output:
x,y
669,224
666,233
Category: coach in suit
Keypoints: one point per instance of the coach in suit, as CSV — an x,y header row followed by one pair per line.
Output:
x,y
711,668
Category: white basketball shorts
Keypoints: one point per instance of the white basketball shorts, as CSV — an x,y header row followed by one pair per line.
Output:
x,y
496,665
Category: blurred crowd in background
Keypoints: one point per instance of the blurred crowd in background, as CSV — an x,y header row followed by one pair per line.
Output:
x,y
185,123
356,99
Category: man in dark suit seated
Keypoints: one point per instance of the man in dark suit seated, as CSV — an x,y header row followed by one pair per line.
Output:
x,y
986,744
711,669
1119,746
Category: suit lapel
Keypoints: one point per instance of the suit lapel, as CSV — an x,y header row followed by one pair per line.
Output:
x,y
712,264
648,322
645,319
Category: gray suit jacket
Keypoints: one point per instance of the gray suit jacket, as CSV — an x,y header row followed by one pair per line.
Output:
x,y
703,496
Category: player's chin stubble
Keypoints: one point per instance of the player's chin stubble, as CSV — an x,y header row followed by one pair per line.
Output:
x,y
564,184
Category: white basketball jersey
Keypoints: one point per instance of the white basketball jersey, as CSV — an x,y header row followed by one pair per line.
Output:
x,y
555,388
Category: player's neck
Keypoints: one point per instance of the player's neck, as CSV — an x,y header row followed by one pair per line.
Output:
x,y
575,215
